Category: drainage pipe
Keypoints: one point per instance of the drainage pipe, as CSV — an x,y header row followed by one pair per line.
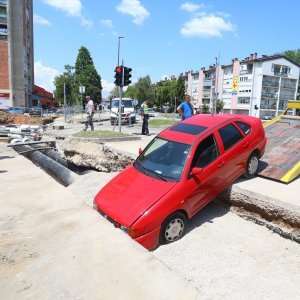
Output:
x,y
50,166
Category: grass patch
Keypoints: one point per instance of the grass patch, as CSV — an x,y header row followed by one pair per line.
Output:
x,y
159,122
100,134
169,115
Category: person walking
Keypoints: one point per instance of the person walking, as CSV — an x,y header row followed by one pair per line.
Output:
x,y
90,110
186,109
145,116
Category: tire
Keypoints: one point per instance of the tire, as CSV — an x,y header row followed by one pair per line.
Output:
x,y
252,166
173,228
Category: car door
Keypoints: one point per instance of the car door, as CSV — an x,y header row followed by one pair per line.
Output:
x,y
205,186
234,148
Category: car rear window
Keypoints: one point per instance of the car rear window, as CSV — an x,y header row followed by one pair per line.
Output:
x,y
188,128
229,135
244,127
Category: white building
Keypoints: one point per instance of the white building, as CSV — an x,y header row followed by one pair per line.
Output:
x,y
253,86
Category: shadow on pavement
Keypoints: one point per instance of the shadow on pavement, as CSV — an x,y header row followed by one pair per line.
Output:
x,y
210,212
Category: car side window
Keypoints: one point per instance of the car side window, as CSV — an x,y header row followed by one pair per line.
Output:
x,y
244,127
207,151
230,136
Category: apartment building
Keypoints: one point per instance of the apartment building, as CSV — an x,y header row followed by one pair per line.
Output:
x,y
16,53
253,86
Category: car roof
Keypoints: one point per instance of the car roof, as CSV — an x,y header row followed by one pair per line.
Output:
x,y
189,130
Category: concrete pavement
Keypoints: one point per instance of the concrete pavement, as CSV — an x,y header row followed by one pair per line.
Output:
x,y
53,246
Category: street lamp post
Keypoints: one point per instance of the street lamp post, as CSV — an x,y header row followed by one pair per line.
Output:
x,y
120,37
120,99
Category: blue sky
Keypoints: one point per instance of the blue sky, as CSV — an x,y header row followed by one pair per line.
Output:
x,y
161,37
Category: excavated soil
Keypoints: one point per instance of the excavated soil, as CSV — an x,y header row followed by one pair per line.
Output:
x,y
20,119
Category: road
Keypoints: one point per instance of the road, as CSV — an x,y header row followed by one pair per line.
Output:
x,y
227,257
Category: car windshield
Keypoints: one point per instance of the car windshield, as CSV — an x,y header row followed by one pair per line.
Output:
x,y
163,159
125,103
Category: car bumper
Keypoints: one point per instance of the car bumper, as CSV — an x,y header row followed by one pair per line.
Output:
x,y
149,240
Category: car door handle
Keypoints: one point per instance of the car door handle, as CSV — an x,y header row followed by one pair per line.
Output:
x,y
221,164
245,145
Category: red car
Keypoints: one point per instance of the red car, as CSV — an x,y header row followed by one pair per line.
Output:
x,y
180,171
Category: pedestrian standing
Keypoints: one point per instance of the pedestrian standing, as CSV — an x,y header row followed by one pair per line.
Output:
x,y
145,116
186,109
90,110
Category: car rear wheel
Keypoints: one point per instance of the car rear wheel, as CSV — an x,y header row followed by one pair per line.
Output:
x,y
252,166
173,228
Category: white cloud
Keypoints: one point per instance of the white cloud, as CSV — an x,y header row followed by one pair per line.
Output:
x,y
71,7
134,9
190,7
206,26
107,87
44,76
40,20
106,22
86,22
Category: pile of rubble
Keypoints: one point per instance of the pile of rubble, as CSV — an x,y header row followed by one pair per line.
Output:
x,y
23,119
93,156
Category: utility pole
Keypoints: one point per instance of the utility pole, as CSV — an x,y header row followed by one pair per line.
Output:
x,y
65,103
216,85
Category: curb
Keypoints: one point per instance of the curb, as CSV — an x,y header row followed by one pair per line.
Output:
x,y
102,140
280,217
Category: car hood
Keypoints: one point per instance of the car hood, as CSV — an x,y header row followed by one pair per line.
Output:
x,y
130,194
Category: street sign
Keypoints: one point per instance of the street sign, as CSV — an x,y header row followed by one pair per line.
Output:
x,y
81,89
135,102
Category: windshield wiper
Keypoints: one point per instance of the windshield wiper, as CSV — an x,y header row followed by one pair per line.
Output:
x,y
157,174
145,170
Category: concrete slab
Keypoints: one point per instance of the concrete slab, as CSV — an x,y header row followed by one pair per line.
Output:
x,y
53,246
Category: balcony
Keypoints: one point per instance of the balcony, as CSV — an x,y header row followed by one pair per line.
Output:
x,y
242,72
269,83
3,20
281,74
206,95
288,86
268,95
268,106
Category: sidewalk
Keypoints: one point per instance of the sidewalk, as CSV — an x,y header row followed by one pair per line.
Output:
x,y
53,246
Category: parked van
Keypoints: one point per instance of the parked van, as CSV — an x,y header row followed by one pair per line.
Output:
x,y
128,114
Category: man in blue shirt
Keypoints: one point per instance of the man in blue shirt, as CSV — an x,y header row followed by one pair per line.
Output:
x,y
186,109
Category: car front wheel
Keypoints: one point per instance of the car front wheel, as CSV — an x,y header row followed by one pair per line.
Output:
x,y
252,166
173,228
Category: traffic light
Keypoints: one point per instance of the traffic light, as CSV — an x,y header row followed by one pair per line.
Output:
x,y
127,76
118,75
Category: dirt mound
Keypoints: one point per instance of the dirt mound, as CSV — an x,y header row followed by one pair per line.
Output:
x,y
8,118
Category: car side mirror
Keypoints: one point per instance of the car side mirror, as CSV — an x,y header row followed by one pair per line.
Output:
x,y
140,150
197,171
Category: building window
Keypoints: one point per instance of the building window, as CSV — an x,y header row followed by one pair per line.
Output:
x,y
243,100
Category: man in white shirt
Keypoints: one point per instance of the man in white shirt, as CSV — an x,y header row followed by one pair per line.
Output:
x,y
90,110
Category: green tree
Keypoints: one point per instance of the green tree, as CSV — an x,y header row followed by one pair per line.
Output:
x,y
66,78
87,75
205,108
180,88
293,55
219,106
